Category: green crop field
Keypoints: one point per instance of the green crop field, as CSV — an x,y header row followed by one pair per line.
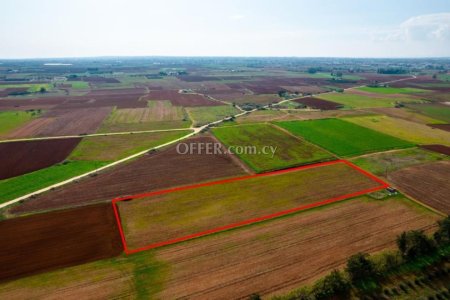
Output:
x,y
168,216
329,76
406,130
79,85
360,101
386,162
391,90
435,111
32,88
114,147
10,120
290,151
343,138
203,115
12,188
444,77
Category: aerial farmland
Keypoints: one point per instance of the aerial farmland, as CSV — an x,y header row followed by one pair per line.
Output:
x,y
225,152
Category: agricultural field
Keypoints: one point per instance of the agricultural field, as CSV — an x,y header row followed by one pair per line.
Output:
x,y
61,122
204,115
115,147
406,114
406,130
21,185
159,115
274,114
286,151
391,90
271,258
158,218
329,76
18,158
318,103
383,163
31,88
435,111
445,127
79,85
180,99
10,120
258,99
437,148
343,138
58,239
156,170
353,100
427,183
209,214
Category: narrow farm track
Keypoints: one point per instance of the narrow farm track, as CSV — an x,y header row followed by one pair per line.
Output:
x,y
195,131
91,135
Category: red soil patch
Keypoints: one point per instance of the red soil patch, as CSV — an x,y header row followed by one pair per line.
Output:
x,y
317,103
17,158
95,79
108,92
59,122
445,127
181,99
49,241
12,91
30,103
122,98
437,148
272,85
151,172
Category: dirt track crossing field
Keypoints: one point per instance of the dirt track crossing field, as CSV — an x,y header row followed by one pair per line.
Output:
x,y
48,241
158,170
181,99
17,158
428,183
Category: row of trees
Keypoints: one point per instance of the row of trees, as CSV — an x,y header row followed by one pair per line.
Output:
x,y
361,268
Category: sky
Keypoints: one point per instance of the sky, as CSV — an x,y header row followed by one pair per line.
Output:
x,y
315,28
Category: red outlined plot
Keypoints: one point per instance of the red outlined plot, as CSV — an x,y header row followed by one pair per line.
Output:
x,y
127,250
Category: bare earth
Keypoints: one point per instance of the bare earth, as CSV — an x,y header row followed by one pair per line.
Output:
x,y
428,183
281,255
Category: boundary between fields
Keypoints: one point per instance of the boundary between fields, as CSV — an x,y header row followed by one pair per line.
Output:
x,y
127,250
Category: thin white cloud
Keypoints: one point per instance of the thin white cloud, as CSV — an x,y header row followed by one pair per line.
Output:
x,y
433,27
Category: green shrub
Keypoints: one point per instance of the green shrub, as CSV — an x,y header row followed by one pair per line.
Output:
x,y
415,244
360,267
334,284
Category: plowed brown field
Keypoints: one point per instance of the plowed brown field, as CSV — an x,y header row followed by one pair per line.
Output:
x,y
43,242
181,99
318,103
17,158
150,172
428,183
281,255
59,122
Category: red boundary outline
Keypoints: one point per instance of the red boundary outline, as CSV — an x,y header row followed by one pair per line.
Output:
x,y
382,185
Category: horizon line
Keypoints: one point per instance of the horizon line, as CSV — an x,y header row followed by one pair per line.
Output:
x,y
222,56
